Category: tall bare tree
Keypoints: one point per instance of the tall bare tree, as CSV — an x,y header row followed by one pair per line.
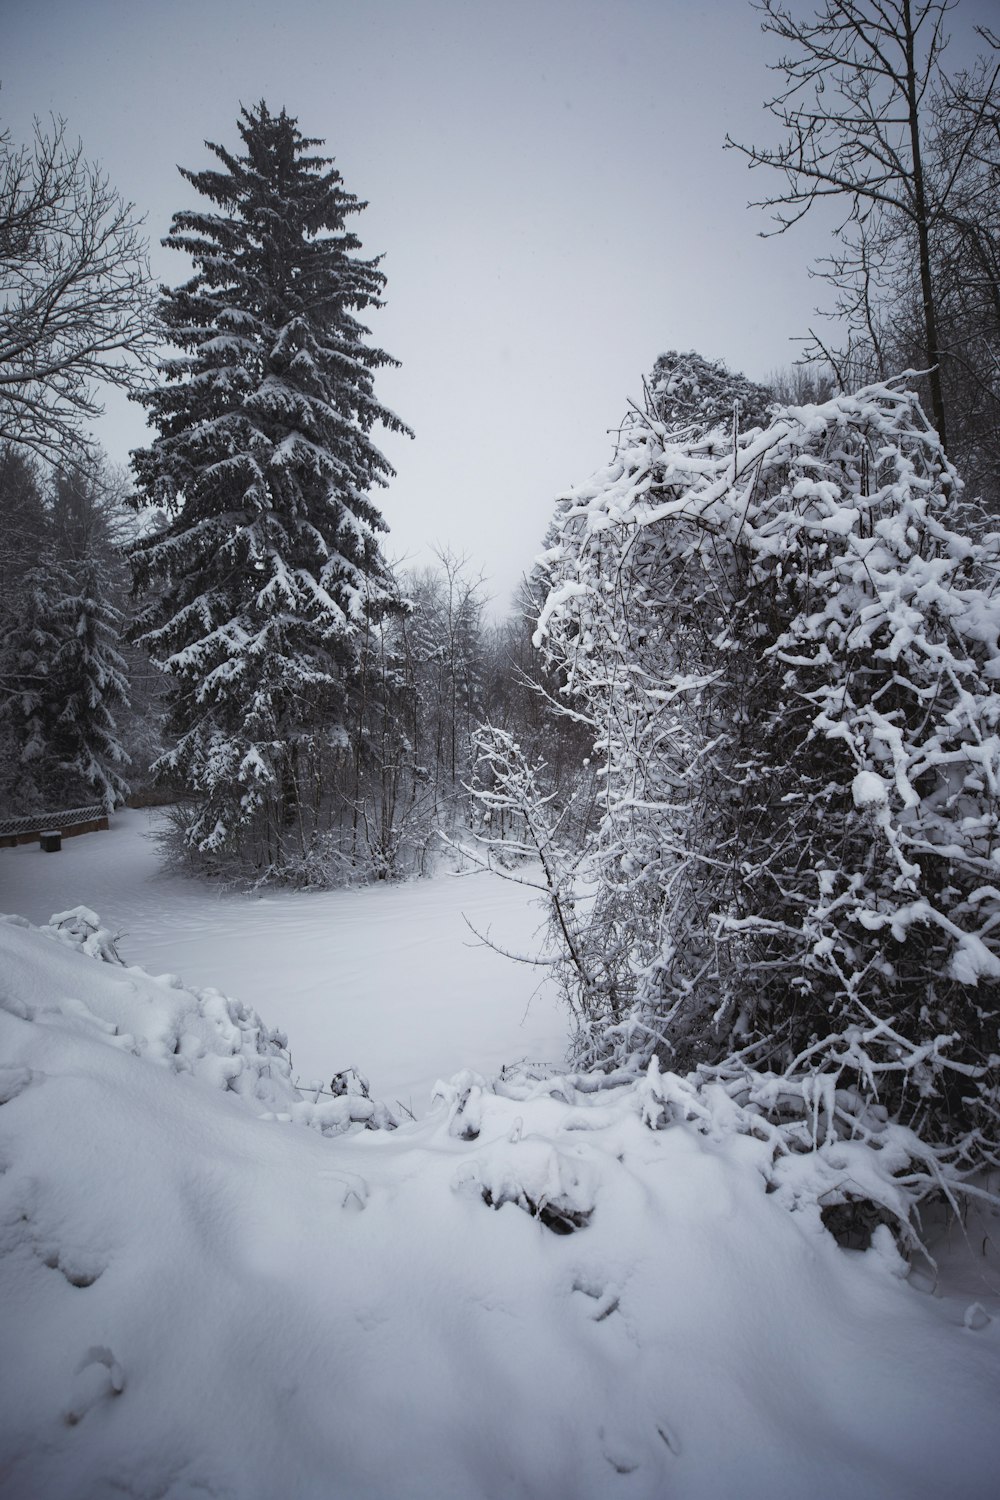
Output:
x,y
864,91
76,301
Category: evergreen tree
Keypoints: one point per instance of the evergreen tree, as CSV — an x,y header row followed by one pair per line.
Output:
x,y
65,678
23,525
269,561
62,680
23,529
89,680
31,642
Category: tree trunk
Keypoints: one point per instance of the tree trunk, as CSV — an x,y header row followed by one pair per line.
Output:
x,y
923,232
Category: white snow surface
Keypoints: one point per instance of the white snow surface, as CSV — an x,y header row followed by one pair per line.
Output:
x,y
385,978
869,790
201,1297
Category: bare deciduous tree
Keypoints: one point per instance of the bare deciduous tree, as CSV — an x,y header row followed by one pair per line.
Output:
x,y
76,301
865,90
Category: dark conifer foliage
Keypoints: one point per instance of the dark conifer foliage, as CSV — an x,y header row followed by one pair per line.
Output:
x,y
688,390
268,562
75,684
63,684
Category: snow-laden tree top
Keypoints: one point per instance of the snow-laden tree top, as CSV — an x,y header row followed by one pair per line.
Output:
x,y
687,390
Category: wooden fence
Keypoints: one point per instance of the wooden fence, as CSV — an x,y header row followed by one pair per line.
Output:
x,y
28,830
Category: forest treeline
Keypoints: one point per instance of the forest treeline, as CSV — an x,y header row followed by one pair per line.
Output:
x,y
222,629
744,715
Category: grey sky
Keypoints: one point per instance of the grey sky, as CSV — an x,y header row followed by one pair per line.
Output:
x,y
546,181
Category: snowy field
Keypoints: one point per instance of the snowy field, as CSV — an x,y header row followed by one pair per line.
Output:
x,y
208,1290
388,978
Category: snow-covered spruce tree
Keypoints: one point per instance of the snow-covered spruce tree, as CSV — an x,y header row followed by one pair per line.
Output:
x,y
63,684
23,533
92,523
66,681
92,682
30,644
269,562
790,662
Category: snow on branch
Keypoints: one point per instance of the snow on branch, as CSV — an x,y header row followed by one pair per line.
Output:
x,y
792,658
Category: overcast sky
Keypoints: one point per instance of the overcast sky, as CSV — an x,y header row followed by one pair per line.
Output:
x,y
546,182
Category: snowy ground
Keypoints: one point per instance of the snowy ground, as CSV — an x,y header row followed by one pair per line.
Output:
x,y
388,979
202,1297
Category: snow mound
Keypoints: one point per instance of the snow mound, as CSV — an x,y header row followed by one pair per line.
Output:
x,y
869,790
201,1033
551,1287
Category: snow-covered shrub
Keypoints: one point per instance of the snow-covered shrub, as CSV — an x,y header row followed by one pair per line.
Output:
x,y
525,833
789,662
823,1151
81,929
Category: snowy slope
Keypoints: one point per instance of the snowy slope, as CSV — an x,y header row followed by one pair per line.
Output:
x,y
199,1301
388,978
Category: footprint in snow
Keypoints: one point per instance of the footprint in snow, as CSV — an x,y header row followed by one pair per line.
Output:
x,y
670,1437
620,1455
616,1454
976,1317
606,1299
14,1081
80,1267
353,1187
99,1377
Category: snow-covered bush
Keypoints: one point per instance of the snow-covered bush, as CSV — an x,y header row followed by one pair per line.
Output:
x,y
789,662
823,1152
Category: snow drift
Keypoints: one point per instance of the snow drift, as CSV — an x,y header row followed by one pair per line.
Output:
x,y
545,1288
